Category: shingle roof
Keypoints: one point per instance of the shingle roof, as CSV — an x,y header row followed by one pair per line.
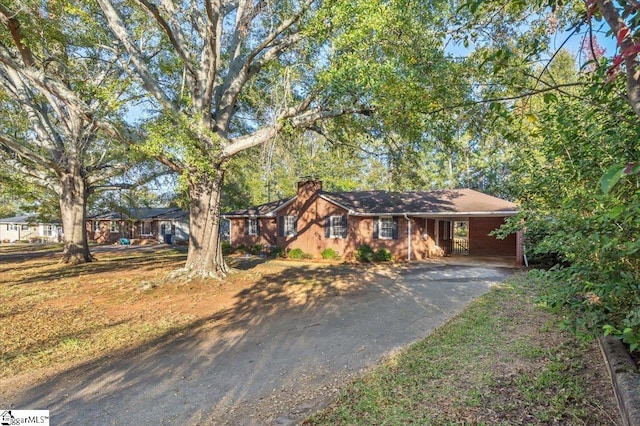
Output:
x,y
438,202
142,213
28,218
261,210
420,202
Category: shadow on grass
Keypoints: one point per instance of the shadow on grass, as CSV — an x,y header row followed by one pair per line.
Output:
x,y
279,333
122,260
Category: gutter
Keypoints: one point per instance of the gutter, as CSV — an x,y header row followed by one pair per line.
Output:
x,y
408,237
438,214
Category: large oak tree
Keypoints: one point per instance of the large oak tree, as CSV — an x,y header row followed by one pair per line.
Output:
x,y
58,85
227,75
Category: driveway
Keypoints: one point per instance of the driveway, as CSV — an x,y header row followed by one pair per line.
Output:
x,y
274,367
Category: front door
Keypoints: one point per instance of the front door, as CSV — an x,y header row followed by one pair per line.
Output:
x,y
444,236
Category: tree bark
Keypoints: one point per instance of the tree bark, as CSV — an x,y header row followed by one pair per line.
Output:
x,y
73,198
205,250
626,43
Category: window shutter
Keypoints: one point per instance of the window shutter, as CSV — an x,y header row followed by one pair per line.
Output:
x,y
327,227
295,226
376,221
344,226
281,226
258,226
246,227
395,227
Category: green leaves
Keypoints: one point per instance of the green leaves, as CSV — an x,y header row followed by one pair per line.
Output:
x,y
611,177
615,173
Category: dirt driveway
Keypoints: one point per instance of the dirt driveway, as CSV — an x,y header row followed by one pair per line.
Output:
x,y
270,363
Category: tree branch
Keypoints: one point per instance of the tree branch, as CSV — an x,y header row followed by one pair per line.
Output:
x,y
174,34
626,43
239,70
9,19
120,31
298,117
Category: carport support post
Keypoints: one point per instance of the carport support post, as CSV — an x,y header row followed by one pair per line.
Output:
x,y
408,237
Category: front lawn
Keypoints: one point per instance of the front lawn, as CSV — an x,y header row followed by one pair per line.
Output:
x,y
502,361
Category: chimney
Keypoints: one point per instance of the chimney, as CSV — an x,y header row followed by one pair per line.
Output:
x,y
308,187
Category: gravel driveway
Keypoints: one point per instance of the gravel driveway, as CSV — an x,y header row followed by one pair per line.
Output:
x,y
273,367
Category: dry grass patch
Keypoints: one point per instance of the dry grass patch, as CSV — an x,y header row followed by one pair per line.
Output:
x,y
55,315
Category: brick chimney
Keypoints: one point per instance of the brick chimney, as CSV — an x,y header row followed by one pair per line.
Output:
x,y
308,188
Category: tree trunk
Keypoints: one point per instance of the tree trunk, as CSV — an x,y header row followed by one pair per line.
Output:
x,y
205,250
73,210
626,43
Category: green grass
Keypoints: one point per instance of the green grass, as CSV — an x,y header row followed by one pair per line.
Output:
x,y
497,362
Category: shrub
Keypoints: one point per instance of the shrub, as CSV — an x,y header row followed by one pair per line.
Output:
x,y
297,253
365,253
277,252
242,248
383,255
226,248
257,248
330,253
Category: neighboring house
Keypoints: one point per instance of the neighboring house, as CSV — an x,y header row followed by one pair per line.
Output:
x,y
413,225
27,228
163,224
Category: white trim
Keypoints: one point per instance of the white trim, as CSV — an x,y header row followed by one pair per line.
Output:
x,y
349,211
408,237
255,227
332,234
380,237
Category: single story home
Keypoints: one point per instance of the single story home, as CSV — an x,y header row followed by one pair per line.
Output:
x,y
29,228
412,225
162,224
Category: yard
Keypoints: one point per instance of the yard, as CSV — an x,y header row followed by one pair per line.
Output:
x,y
501,360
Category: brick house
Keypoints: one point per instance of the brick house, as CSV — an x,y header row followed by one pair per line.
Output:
x,y
413,225
161,224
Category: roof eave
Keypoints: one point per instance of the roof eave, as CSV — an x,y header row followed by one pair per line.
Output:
x,y
270,214
438,214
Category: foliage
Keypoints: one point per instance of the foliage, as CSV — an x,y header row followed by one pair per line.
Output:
x,y
576,215
60,93
365,253
277,252
257,248
242,248
330,253
383,254
298,254
227,248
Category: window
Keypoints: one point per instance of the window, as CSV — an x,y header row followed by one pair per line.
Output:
x,y
251,226
48,231
385,228
287,226
96,226
113,226
25,227
12,227
145,228
336,227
